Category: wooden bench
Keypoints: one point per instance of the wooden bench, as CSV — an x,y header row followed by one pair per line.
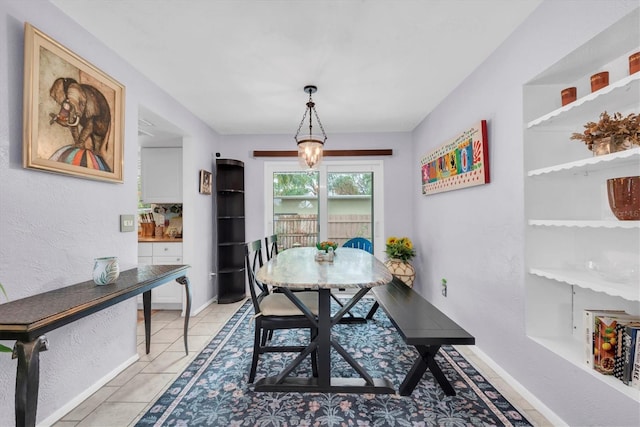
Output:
x,y
423,326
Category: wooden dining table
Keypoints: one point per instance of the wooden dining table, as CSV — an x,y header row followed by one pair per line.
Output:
x,y
351,269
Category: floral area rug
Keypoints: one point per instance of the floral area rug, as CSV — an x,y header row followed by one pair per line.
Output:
x,y
213,389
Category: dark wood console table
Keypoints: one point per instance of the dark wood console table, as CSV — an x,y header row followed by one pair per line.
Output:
x,y
27,320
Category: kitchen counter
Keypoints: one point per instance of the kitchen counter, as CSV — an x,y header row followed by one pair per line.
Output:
x,y
159,239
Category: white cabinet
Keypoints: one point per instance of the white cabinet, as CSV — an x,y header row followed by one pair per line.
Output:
x,y
168,296
145,253
161,175
569,225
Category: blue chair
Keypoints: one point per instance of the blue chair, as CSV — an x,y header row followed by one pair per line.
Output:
x,y
359,243
365,245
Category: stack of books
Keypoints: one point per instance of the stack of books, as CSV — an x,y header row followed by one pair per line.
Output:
x,y
612,344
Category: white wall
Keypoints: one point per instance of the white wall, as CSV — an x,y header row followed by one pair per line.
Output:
x,y
475,237
52,226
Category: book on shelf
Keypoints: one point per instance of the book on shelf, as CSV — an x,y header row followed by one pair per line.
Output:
x,y
606,341
630,343
589,322
635,370
621,350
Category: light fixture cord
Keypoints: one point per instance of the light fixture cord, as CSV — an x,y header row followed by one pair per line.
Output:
x,y
319,122
311,107
300,125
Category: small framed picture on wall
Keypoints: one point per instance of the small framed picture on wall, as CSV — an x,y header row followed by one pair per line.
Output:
x,y
205,182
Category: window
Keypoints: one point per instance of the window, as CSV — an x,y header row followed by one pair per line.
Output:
x,y
340,201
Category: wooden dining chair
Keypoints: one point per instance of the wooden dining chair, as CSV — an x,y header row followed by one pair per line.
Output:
x,y
275,311
271,246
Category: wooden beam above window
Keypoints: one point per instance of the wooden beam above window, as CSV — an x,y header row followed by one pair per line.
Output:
x,y
326,153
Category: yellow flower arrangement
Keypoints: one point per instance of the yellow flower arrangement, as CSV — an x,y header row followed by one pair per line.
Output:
x,y
400,248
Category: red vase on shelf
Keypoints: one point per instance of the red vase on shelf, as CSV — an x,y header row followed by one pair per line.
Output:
x,y
634,63
600,80
624,197
568,95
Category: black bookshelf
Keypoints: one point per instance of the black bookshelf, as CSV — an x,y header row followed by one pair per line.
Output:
x,y
230,226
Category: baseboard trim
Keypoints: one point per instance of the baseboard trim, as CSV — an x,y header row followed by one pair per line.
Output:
x,y
73,403
203,306
553,418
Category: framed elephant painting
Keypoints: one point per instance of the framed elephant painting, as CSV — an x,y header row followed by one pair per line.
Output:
x,y
73,113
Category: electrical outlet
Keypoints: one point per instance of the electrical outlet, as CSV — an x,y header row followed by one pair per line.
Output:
x,y
444,287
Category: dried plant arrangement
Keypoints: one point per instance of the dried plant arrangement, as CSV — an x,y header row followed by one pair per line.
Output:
x,y
626,129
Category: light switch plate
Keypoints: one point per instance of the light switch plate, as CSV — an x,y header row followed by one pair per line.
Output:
x,y
126,223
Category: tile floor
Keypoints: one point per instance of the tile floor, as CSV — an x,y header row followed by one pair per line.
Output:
x,y
128,396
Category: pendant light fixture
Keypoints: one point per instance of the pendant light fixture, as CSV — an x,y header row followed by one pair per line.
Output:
x,y
310,146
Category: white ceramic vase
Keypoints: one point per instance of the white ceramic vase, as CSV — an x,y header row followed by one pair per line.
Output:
x,y
106,270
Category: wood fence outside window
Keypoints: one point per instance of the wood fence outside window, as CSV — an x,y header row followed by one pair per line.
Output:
x,y
302,230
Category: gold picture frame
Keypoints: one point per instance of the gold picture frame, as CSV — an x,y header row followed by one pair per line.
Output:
x,y
205,182
73,113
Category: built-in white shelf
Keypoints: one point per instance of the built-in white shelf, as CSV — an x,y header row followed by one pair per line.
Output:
x,y
578,255
583,278
592,164
624,91
571,350
585,223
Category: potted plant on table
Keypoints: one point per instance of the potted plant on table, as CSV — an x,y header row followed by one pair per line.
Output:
x,y
399,251
611,133
325,245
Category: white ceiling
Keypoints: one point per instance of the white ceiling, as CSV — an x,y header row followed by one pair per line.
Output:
x,y
241,65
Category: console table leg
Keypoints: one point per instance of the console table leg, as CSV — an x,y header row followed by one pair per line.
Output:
x,y
146,308
184,280
28,379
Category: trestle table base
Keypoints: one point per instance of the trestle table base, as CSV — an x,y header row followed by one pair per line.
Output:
x,y
322,343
